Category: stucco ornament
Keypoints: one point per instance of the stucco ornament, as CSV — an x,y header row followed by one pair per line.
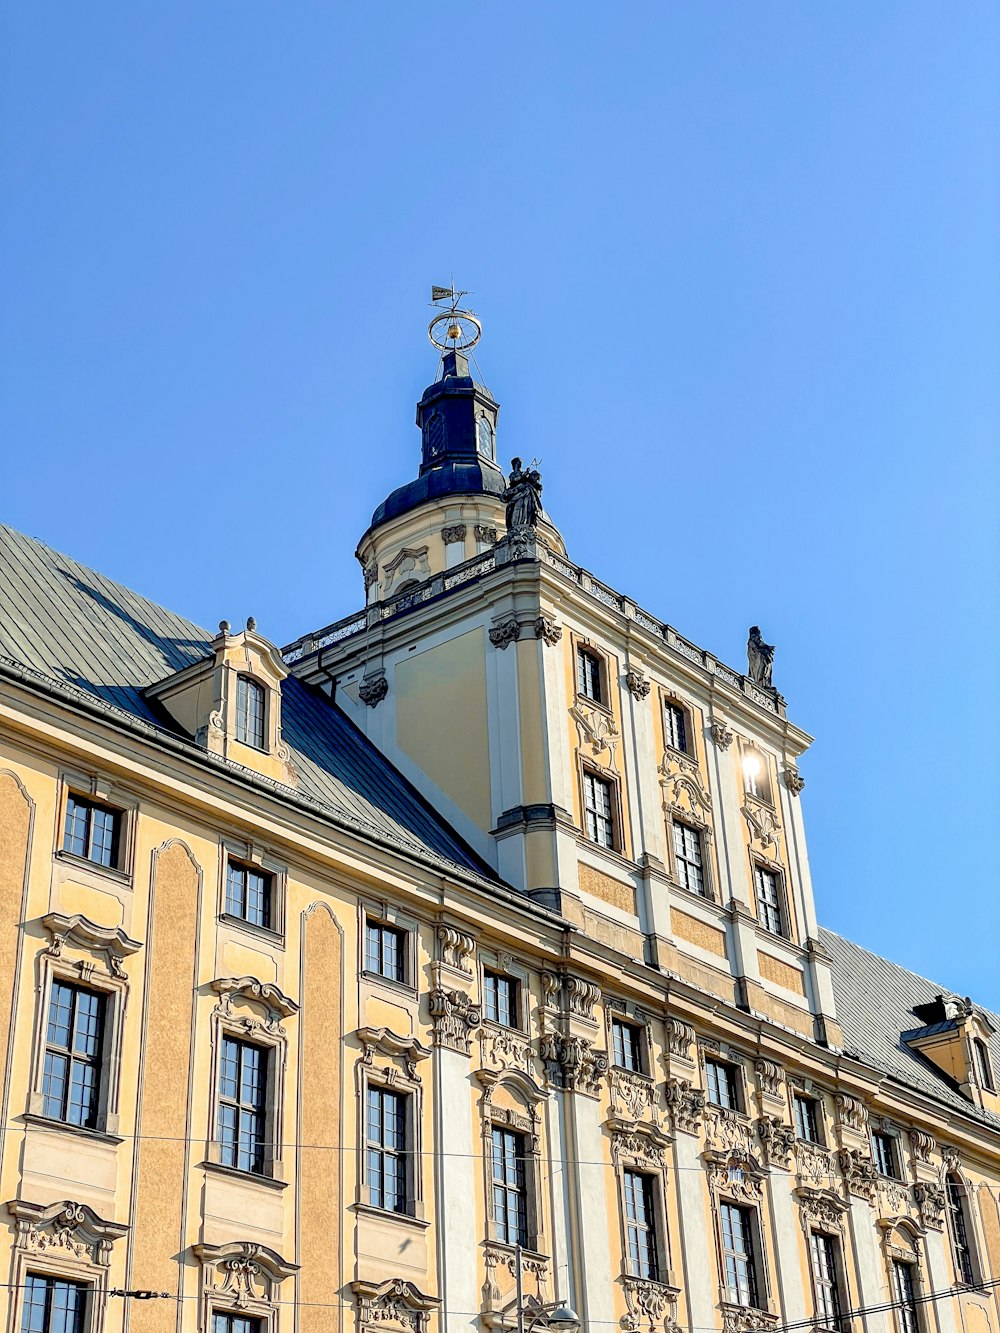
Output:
x,y
455,1018
486,536
394,1302
722,733
860,1174
457,948
638,685
452,534
573,1064
777,1140
931,1202
686,1104
596,729
680,1037
373,689
505,633
794,780
547,629
851,1112
73,1229
652,1306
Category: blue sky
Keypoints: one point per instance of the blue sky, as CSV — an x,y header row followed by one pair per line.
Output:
x,y
739,270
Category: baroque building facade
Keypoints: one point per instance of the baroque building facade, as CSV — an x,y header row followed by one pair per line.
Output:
x,y
464,948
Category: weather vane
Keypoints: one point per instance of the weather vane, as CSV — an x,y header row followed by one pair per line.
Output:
x,y
452,329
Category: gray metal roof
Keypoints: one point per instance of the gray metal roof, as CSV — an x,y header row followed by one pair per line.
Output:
x,y
875,1000
74,626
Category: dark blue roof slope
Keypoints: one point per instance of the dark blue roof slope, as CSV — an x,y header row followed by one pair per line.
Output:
x,y
74,626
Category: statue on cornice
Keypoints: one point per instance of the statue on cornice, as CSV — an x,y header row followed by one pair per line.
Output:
x,y
760,658
523,496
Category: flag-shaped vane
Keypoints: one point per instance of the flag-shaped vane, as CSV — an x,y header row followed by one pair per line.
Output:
x,y
442,293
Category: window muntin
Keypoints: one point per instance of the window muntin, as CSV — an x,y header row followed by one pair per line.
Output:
x,y
500,999
242,1105
385,1149
984,1071
886,1157
385,951
249,894
905,1296
675,726
640,1225
53,1305
74,1038
768,888
510,1190
688,857
826,1280
225,1321
598,804
961,1249
807,1118
738,1259
588,675
626,1040
250,712
722,1085
92,831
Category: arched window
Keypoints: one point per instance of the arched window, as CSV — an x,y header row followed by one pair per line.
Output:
x,y
984,1072
958,1217
675,726
485,437
250,704
589,680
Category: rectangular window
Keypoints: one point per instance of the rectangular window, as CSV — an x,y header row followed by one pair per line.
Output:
x,y
250,712
500,999
826,1280
598,808
640,1225
588,675
52,1305
905,1296
71,1080
884,1152
385,951
223,1321
687,854
92,831
738,1256
768,888
807,1119
249,894
242,1105
722,1085
385,1132
510,1192
675,726
627,1041
959,1231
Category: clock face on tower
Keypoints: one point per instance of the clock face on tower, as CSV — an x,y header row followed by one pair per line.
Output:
x,y
485,438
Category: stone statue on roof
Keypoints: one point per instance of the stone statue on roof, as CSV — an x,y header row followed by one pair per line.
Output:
x,y
760,658
523,496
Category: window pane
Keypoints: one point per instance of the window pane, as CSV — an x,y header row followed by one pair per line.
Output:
x,y
676,730
250,712
75,839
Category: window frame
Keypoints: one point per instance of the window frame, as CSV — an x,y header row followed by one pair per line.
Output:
x,y
834,1283
388,1064
51,1280
513,1086
733,1083
649,1228
753,1255
255,687
702,833
814,1115
401,1153
258,860
883,1139
777,874
618,1023
960,1231
672,705
598,671
906,1306
70,1053
498,974
260,1110
982,1065
759,790
95,791
611,782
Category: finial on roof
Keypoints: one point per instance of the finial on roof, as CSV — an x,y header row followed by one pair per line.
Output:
x,y
251,623
224,627
452,329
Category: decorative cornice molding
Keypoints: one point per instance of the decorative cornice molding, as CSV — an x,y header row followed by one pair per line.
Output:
x,y
82,933
71,1227
264,993
238,1255
386,1042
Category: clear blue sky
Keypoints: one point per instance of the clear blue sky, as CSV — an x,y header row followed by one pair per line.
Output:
x,y
739,266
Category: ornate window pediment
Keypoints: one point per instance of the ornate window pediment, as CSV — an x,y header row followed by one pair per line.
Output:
x,y
395,1303
79,932
384,1041
244,1276
71,1231
262,996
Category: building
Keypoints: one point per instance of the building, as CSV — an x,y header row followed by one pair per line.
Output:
x,y
466,942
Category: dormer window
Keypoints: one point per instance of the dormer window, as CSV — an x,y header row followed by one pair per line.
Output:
x,y
250,712
588,675
984,1070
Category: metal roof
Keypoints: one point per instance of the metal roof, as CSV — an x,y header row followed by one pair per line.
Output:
x,y
74,626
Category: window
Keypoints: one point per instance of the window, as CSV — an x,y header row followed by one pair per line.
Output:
x,y
485,434
884,1152
598,808
588,675
826,1280
385,1132
738,1256
959,1231
905,1296
249,894
626,1039
722,1085
52,1305
92,831
687,856
385,951
807,1119
984,1073
71,1081
500,999
768,887
242,1105
756,779
510,1193
675,726
250,712
640,1225
225,1322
